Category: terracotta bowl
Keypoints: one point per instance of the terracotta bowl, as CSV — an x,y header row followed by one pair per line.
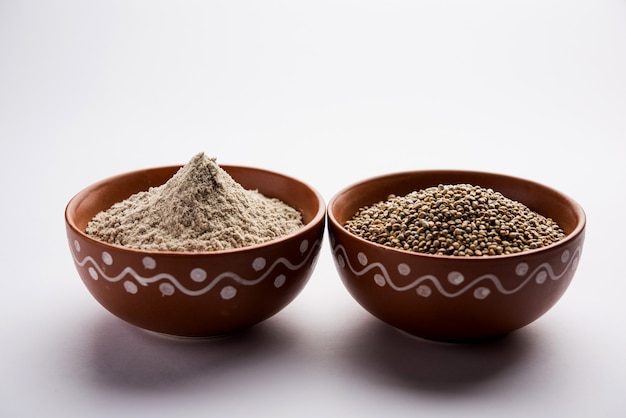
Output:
x,y
454,298
196,294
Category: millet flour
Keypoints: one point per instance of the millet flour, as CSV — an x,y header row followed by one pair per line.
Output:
x,y
201,208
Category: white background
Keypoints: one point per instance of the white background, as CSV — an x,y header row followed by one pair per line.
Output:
x,y
330,92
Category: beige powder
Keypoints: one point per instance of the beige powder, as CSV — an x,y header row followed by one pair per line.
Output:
x,y
201,208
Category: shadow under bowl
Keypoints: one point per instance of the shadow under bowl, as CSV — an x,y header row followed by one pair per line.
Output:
x,y
196,294
455,298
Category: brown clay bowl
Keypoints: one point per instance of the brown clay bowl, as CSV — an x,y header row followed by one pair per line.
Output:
x,y
450,298
196,294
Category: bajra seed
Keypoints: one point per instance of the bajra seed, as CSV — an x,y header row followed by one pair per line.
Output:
x,y
459,219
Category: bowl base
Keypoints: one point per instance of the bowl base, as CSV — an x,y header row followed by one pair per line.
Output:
x,y
194,337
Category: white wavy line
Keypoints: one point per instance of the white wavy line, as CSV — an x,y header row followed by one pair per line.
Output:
x,y
145,281
548,267
437,283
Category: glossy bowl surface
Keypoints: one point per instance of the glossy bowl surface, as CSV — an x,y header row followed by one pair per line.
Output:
x,y
449,298
196,294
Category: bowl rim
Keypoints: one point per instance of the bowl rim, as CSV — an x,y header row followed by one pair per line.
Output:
x,y
576,207
320,215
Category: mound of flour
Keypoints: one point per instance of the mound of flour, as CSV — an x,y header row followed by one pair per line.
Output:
x,y
201,208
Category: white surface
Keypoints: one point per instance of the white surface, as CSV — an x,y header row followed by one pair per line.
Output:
x,y
330,92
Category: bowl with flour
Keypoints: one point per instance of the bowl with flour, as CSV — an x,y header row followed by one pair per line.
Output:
x,y
455,255
197,250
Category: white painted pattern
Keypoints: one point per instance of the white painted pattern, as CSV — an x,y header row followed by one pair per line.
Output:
x,y
425,284
169,284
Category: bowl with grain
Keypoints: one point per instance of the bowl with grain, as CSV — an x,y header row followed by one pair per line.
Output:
x,y
193,291
453,255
